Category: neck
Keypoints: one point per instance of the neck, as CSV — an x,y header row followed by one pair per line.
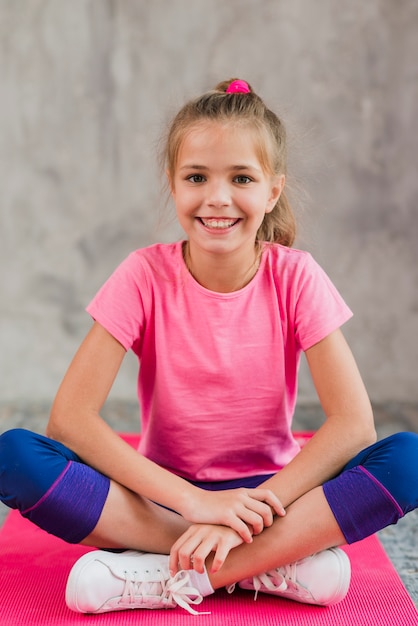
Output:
x,y
217,273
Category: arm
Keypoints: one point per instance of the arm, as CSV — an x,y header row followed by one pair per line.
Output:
x,y
348,428
75,421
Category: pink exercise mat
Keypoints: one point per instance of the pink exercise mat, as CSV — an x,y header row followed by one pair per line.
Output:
x,y
34,567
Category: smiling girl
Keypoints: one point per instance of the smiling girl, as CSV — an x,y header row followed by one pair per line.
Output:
x,y
219,492
222,196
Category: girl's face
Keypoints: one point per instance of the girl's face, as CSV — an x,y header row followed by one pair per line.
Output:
x,y
220,190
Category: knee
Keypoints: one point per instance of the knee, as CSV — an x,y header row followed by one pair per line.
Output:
x,y
399,472
29,464
13,443
403,447
17,446
14,458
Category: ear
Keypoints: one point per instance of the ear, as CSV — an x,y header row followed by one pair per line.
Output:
x,y
277,187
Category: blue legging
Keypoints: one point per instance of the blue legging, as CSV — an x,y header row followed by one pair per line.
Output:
x,y
51,486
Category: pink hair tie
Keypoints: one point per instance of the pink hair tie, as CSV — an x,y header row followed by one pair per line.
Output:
x,y
238,86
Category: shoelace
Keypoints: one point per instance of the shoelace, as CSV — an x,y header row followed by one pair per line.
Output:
x,y
167,592
281,579
278,579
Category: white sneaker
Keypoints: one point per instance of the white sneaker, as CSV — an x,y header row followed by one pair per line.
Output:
x,y
102,581
323,579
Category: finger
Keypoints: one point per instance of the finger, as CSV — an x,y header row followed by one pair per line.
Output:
x,y
253,521
178,552
262,510
186,554
215,544
200,555
173,562
240,527
267,496
254,513
221,553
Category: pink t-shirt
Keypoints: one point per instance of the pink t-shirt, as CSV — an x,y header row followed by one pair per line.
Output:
x,y
217,381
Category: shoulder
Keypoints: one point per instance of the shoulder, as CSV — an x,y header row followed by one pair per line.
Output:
x,y
288,261
157,251
285,254
142,270
157,260
296,272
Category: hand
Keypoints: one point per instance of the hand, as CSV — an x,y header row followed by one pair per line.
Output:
x,y
192,548
247,511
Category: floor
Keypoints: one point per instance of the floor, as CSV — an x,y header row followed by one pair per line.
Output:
x,y
400,541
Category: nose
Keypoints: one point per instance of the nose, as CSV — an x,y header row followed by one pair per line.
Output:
x,y
218,194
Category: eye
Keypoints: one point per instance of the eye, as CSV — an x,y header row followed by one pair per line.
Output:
x,y
242,180
196,178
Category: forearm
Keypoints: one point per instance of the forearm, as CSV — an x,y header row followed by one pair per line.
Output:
x,y
75,421
100,447
336,442
349,426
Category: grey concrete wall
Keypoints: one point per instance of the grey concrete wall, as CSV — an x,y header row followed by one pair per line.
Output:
x,y
87,87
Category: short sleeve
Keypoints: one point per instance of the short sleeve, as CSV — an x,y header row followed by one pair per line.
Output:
x,y
319,308
118,305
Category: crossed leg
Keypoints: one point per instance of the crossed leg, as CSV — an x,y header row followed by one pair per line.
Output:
x,y
129,521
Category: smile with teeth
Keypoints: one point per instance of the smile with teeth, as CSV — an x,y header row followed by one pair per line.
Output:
x,y
218,222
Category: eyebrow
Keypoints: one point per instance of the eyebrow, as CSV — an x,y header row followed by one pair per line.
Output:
x,y
234,168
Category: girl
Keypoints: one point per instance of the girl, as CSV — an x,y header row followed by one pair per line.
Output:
x,y
219,492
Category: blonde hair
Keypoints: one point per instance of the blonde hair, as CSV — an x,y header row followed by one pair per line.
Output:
x,y
249,110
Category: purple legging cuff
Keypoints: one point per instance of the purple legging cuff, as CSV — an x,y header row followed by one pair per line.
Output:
x,y
360,504
72,506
